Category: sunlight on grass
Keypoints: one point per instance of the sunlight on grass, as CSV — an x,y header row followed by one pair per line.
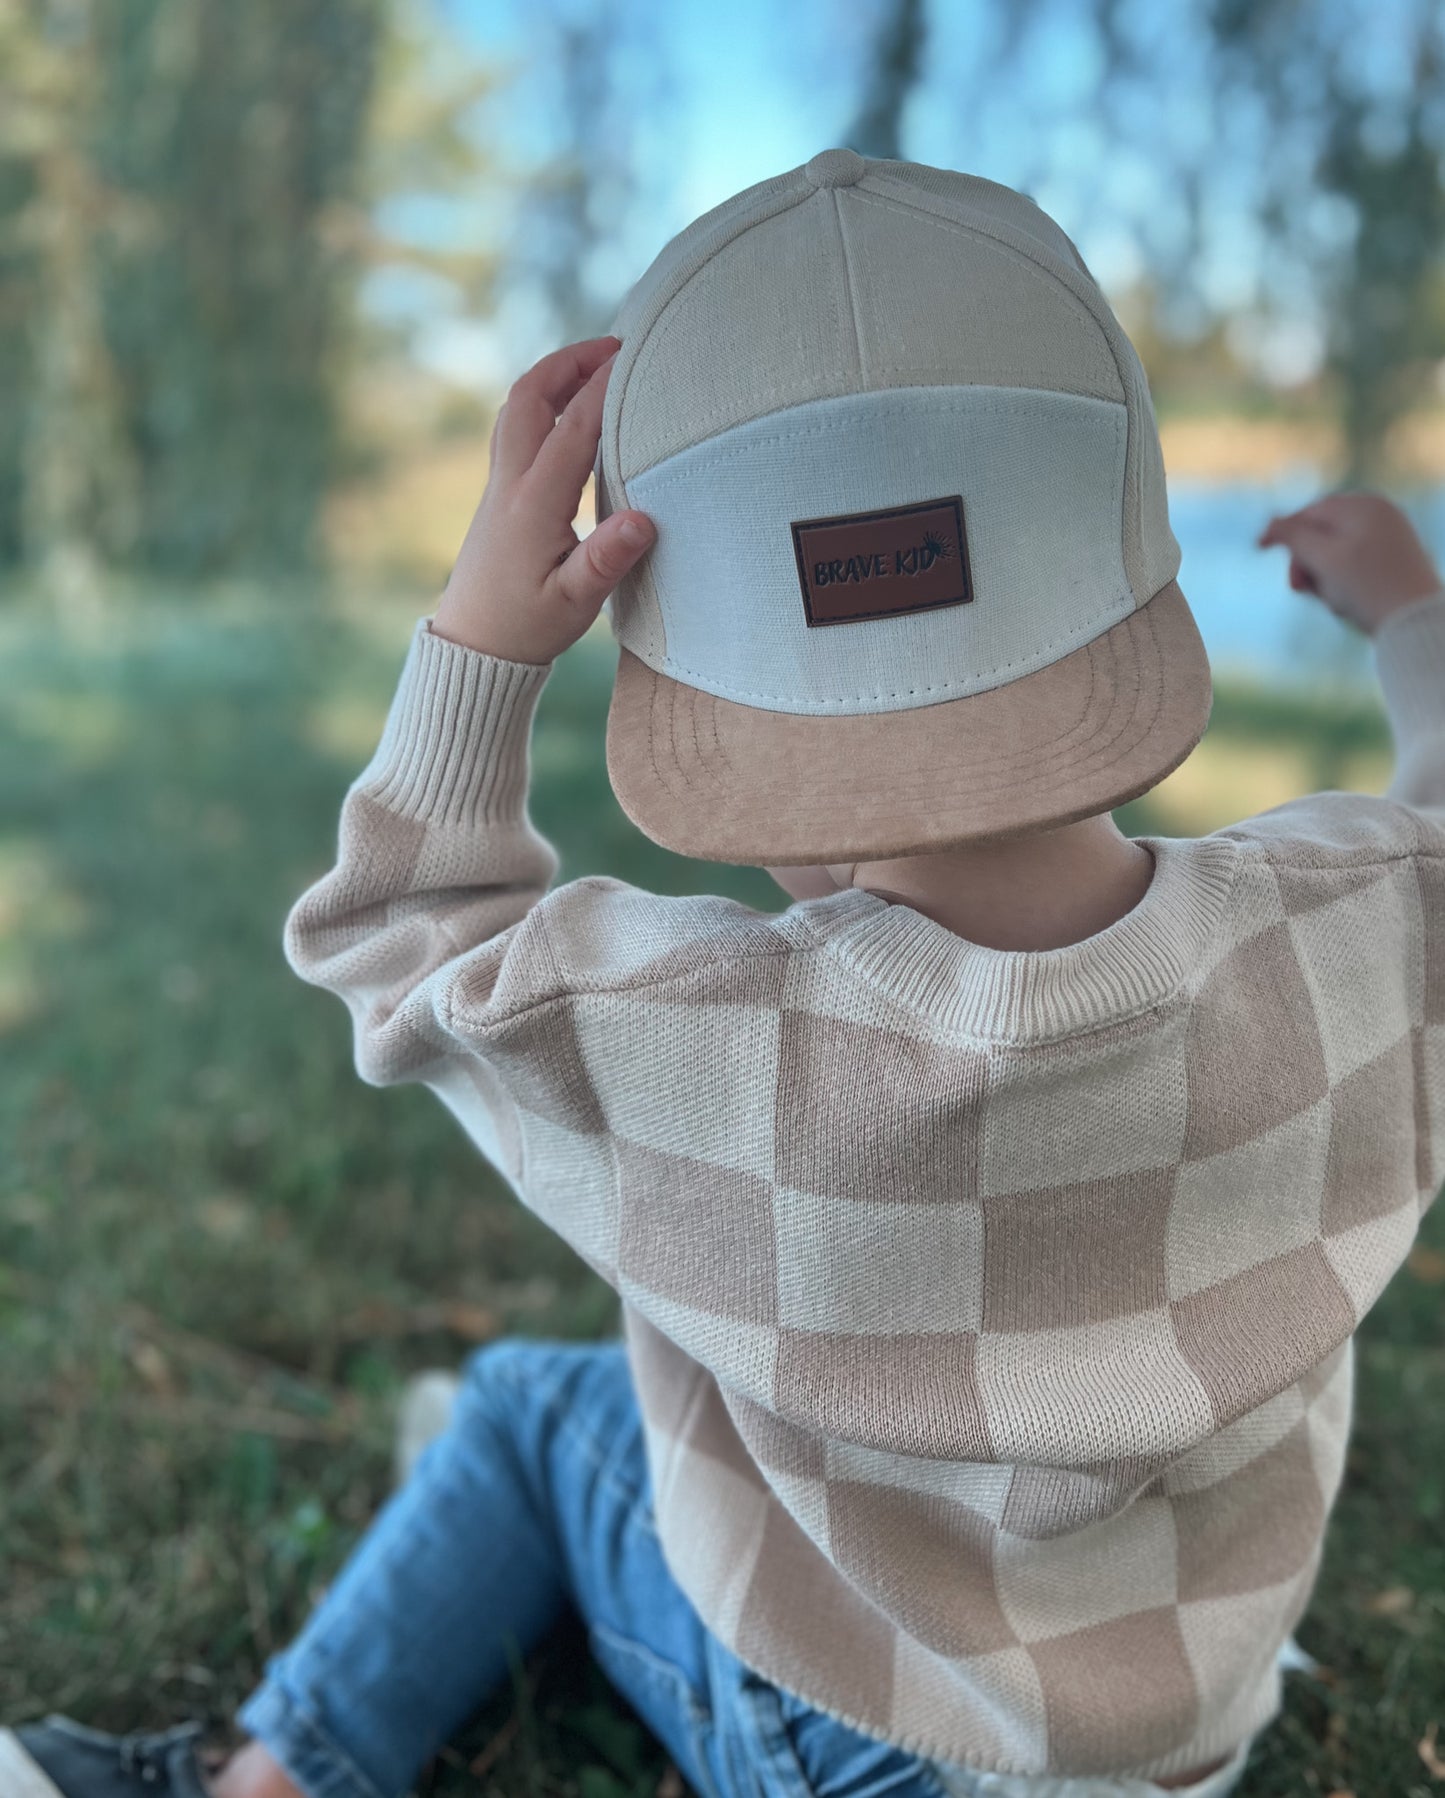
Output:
x,y
36,907
83,730
345,725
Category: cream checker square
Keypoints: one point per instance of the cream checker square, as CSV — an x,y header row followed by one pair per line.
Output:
x,y
877,1269
1235,1209
1064,1583
1004,1686
983,1486
1043,1125
570,1181
1362,1006
715,1066
1099,1392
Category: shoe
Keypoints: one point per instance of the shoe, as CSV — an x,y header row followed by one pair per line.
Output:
x,y
426,1409
63,1759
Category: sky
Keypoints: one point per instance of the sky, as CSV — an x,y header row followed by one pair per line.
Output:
x,y
758,87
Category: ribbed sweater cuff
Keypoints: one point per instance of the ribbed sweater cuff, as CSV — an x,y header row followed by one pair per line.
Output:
x,y
455,744
1409,650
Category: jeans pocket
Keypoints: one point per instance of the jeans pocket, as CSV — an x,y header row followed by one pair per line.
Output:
x,y
799,1752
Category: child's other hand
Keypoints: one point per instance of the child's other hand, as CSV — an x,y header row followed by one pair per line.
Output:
x,y
523,587
1358,553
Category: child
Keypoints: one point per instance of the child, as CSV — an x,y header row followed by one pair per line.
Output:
x,y
992,1224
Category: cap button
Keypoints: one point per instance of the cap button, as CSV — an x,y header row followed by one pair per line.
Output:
x,y
835,168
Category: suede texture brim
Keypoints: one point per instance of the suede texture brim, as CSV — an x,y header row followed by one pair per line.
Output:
x,y
708,778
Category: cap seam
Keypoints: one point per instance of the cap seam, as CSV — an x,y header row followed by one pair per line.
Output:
x,y
848,285
792,403
1040,269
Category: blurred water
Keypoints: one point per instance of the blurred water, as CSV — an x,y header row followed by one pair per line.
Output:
x,y
1250,620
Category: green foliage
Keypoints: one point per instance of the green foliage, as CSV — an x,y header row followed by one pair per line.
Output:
x,y
221,1253
178,268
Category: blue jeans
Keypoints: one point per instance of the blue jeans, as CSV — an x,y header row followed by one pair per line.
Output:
x,y
537,1496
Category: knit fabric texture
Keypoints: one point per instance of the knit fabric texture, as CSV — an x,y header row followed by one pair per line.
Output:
x,y
990,1311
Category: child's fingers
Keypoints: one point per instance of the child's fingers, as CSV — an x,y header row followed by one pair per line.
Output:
x,y
565,459
1301,579
599,562
529,412
1288,527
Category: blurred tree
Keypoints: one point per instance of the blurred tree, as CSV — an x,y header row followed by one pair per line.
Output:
x,y
1348,187
168,174
892,74
191,194
67,474
241,130
600,74
1377,151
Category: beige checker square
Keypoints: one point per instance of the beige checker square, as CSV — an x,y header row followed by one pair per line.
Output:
x,y
700,1235
1430,883
1365,1258
570,1182
1119,1694
1076,1254
1090,1394
1371,1168
1255,1529
1118,1565
983,1486
887,1116
1254,1334
1006,1701
943,1592
1254,1011
709,1079
909,1394
877,1269
744,1355
1254,906
1359,983
536,1055
1077,1113
796,1614
1248,1202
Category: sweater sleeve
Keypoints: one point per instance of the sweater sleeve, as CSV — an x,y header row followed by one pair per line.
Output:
x,y
460,968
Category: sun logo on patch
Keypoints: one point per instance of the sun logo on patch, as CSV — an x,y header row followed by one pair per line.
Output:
x,y
936,547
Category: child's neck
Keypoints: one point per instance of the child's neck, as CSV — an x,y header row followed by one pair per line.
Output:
x,y
1040,891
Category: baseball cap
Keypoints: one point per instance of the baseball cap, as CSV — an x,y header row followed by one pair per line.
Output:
x,y
913,584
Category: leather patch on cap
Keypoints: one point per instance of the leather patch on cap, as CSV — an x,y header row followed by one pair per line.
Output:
x,y
875,564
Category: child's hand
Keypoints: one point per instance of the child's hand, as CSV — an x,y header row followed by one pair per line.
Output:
x,y
523,587
1357,552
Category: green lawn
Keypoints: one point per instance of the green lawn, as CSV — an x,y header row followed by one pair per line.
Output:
x,y
221,1252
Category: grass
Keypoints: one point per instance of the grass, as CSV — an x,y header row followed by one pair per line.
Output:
x,y
221,1253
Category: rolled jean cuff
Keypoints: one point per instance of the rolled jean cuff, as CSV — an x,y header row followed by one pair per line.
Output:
x,y
311,1757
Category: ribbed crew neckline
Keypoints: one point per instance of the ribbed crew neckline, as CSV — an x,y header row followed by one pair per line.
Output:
x,y
1034,995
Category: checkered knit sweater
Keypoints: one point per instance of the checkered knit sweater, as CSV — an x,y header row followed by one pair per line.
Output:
x,y
990,1311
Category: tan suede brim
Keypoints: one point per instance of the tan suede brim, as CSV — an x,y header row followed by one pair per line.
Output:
x,y
723,782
